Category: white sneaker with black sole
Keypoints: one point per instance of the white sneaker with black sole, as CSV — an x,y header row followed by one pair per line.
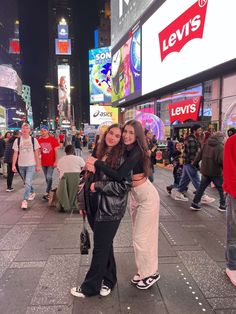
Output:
x,y
76,292
147,282
105,290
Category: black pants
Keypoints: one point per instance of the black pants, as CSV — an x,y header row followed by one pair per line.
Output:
x,y
103,265
10,175
205,181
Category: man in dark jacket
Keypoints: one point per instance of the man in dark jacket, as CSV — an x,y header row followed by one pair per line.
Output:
x,y
211,156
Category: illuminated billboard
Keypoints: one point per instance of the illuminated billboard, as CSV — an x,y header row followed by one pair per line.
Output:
x,y
101,114
64,105
2,118
124,14
63,31
126,69
63,46
183,38
100,75
14,46
10,79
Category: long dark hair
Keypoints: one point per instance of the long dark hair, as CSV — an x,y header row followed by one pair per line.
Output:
x,y
142,143
114,156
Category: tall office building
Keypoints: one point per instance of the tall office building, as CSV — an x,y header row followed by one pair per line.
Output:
x,y
104,30
10,65
62,70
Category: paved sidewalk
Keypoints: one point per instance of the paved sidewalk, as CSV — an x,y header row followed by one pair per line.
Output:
x,y
40,259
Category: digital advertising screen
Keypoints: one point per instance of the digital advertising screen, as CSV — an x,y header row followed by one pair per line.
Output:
x,y
64,106
103,114
183,38
100,75
14,46
63,46
63,31
124,14
126,69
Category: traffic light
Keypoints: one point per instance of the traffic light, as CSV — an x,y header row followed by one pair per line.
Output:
x,y
57,119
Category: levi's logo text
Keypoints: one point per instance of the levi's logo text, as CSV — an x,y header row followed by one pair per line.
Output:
x,y
185,110
187,26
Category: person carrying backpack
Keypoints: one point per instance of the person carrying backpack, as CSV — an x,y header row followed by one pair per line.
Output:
x,y
26,150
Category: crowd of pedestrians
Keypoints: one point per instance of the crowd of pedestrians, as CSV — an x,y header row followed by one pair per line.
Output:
x,y
119,175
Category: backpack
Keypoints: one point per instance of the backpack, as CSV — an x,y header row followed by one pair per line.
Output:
x,y
32,140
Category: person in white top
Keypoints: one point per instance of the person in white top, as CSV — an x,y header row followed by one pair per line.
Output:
x,y
26,151
70,162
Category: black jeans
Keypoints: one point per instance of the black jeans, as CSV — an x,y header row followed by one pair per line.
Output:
x,y
10,175
103,265
205,181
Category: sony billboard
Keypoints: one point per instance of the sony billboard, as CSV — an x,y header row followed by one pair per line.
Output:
x,y
186,37
124,15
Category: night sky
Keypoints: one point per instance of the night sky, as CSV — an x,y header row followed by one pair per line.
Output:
x,y
34,40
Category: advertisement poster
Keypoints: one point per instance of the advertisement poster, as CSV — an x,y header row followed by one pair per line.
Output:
x,y
10,79
63,46
184,38
124,14
64,107
152,122
100,75
101,114
126,70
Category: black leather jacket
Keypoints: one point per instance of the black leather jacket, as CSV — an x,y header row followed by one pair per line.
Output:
x,y
110,199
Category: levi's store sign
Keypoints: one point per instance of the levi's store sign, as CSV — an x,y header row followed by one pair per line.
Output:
x,y
185,110
186,27
183,38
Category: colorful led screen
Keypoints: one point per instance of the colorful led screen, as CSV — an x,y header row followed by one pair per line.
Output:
x,y
126,70
100,75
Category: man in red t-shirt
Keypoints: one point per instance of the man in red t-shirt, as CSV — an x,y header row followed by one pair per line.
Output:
x,y
61,139
49,146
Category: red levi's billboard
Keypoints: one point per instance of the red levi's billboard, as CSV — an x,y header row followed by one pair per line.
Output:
x,y
185,110
183,38
187,26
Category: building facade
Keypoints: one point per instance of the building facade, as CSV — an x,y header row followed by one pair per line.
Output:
x,y
187,73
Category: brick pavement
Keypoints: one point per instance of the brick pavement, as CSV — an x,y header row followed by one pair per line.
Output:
x,y
40,259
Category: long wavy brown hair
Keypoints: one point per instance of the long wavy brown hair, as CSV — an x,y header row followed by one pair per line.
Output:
x,y
142,143
115,154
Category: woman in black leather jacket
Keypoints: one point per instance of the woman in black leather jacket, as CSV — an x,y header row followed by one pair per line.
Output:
x,y
105,202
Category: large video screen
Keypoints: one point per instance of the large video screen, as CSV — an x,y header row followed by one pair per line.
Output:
x,y
64,104
126,69
124,15
100,75
185,37
63,46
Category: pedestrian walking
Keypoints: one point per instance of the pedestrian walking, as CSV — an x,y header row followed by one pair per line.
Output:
x,y
2,149
229,185
211,157
190,172
177,161
105,207
49,155
152,150
61,140
144,202
78,145
8,156
26,151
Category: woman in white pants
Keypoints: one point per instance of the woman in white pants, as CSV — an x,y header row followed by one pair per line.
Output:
x,y
144,202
